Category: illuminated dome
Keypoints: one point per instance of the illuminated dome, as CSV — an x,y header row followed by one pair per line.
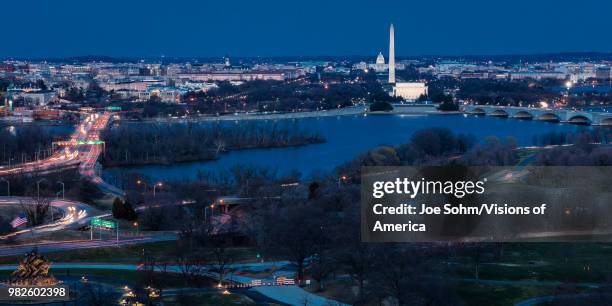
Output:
x,y
380,59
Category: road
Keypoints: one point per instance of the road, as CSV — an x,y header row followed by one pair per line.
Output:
x,y
82,149
73,214
61,159
80,244
91,152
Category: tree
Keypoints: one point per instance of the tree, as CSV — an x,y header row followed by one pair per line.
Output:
x,y
97,295
312,190
118,208
123,210
448,106
36,210
404,273
381,106
298,232
219,247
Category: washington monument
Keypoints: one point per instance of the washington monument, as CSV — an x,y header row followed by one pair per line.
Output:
x,y
391,55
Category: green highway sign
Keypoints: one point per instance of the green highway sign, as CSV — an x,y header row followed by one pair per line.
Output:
x,y
113,108
103,223
89,142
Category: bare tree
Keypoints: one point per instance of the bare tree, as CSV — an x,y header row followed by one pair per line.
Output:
x,y
98,295
35,209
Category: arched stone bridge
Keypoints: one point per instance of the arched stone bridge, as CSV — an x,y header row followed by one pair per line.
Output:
x,y
543,114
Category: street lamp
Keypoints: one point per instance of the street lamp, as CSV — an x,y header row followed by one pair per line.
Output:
x,y
63,189
212,206
8,186
38,187
156,185
139,182
137,228
342,178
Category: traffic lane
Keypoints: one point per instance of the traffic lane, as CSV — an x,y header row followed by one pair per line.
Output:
x,y
81,244
72,213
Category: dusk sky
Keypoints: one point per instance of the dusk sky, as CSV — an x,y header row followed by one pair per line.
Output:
x,y
46,28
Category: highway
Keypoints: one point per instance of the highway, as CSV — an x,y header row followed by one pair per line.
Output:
x,y
55,246
73,214
91,152
61,159
82,150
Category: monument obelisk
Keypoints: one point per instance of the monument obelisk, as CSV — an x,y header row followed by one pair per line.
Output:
x,y
391,55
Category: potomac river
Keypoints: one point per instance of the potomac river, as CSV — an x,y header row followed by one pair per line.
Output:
x,y
346,137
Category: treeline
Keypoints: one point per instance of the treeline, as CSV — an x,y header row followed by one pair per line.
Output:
x,y
591,136
26,143
576,155
584,148
437,146
167,143
507,92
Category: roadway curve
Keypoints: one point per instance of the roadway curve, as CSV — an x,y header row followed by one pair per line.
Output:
x,y
73,214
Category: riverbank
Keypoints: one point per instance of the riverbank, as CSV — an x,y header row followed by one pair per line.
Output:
x,y
170,143
190,159
417,109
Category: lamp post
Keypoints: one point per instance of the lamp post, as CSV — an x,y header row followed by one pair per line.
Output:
x,y
156,185
137,228
212,206
341,179
139,182
38,196
38,188
63,189
8,186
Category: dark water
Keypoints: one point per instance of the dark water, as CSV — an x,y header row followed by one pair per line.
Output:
x,y
347,137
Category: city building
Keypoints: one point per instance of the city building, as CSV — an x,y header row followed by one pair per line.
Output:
x,y
234,76
537,75
409,91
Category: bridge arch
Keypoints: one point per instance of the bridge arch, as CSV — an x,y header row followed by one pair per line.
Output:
x,y
580,120
606,122
550,117
524,115
478,111
499,113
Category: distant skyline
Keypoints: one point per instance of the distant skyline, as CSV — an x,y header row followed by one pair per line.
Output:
x,y
181,28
